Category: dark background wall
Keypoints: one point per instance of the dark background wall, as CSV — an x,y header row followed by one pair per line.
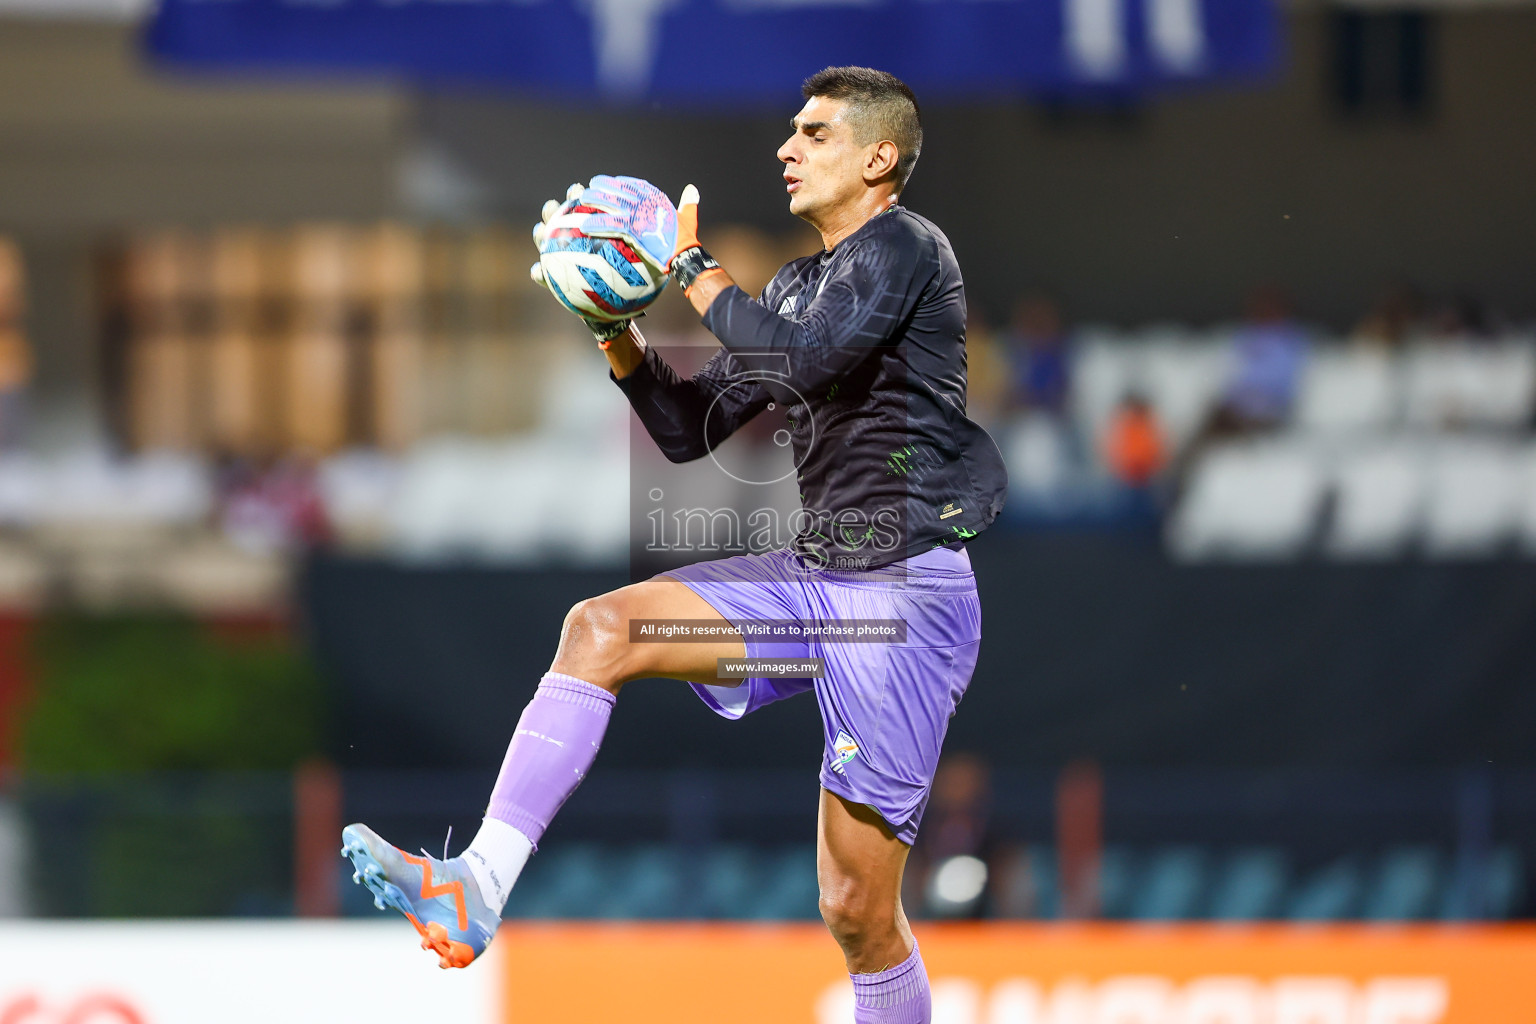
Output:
x,y
1093,646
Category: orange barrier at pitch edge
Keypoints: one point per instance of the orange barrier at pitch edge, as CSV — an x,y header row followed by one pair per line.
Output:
x,y
1030,974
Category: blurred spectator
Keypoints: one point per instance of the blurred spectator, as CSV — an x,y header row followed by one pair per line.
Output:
x,y
1134,449
989,380
1037,349
957,863
15,353
1269,352
1397,316
1463,316
276,509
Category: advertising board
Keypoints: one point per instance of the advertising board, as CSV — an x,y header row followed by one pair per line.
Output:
x,y
1032,974
593,973
230,972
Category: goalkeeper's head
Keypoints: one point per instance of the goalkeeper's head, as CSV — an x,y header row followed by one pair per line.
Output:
x,y
857,137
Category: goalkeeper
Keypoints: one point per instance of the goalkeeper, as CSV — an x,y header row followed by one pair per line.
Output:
x,y
864,342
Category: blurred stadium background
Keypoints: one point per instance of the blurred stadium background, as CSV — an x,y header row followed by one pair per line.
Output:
x,y
296,466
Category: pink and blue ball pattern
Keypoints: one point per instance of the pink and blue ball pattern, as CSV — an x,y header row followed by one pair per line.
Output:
x,y
636,210
628,227
619,255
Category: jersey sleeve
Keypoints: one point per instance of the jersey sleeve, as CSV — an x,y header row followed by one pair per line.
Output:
x,y
860,305
688,417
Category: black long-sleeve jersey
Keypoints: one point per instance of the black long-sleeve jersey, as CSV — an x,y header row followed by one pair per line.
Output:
x,y
865,346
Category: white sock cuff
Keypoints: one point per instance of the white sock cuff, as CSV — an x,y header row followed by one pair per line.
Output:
x,y
496,857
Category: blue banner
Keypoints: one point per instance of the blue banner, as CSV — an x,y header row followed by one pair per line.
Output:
x,y
706,52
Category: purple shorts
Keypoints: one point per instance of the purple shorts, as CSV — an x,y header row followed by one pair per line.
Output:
x,y
885,707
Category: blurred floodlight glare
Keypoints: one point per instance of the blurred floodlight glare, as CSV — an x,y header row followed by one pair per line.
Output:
x,y
959,881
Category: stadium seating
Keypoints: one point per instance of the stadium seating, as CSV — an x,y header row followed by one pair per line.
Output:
x,y
787,887
1463,383
1159,883
1404,885
1039,456
1419,451
1379,494
1172,885
1387,453
511,502
1330,894
1525,519
1255,499
1119,876
1385,495
1182,374
1028,885
1249,886
1350,390
87,485
359,488
1489,889
727,880
1473,497
1104,367
573,881
646,882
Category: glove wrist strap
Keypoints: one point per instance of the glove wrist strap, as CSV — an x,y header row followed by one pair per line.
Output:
x,y
607,330
689,264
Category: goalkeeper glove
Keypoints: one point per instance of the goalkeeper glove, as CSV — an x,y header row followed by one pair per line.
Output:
x,y
636,211
689,258
603,330
631,209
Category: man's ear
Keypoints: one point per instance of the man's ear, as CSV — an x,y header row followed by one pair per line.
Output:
x,y
881,161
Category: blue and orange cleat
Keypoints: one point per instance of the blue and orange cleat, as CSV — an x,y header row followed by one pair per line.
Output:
x,y
439,897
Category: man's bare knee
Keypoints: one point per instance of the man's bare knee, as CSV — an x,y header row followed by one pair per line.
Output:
x,y
594,642
852,917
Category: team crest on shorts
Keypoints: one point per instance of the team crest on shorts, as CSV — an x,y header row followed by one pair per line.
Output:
x,y
844,749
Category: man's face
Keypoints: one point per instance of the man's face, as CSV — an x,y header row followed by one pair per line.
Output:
x,y
823,167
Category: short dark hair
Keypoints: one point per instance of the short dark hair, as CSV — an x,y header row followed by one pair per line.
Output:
x,y
880,107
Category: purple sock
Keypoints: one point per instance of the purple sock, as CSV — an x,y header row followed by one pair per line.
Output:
x,y
555,743
895,996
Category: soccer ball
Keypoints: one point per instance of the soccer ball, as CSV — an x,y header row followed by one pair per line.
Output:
x,y
596,277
